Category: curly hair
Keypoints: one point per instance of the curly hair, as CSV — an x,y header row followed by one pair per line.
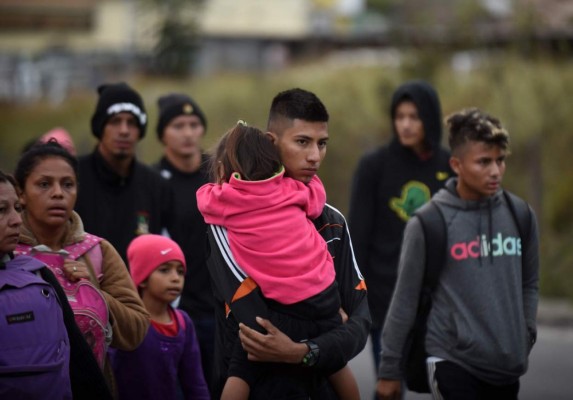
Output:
x,y
472,124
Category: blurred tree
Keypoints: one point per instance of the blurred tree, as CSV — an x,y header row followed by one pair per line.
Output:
x,y
382,6
177,33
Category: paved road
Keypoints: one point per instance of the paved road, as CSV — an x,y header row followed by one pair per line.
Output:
x,y
550,375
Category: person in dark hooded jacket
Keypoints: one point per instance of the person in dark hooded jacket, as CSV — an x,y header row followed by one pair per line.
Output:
x,y
389,184
481,326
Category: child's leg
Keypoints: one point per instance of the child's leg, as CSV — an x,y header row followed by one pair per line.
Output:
x,y
235,389
344,384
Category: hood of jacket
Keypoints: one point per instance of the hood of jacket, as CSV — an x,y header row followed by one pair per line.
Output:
x,y
423,95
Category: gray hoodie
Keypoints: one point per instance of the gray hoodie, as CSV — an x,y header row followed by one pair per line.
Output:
x,y
484,307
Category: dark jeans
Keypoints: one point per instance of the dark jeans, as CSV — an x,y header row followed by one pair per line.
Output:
x,y
455,383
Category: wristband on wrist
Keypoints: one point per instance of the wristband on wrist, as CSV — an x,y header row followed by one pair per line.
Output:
x,y
311,357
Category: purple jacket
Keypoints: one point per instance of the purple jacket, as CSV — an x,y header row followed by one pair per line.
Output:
x,y
160,366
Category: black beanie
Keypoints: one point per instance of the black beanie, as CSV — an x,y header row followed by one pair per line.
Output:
x,y
115,98
173,105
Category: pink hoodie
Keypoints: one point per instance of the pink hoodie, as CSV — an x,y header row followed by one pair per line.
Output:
x,y
271,233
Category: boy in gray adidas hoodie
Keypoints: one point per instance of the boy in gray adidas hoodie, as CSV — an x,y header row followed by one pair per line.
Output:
x,y
481,326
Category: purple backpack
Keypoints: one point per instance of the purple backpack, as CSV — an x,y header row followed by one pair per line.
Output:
x,y
88,303
34,345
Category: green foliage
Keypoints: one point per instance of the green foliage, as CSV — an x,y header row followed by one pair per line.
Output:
x,y
177,35
382,6
529,97
556,275
174,51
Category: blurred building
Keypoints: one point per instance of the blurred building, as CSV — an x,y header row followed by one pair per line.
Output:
x,y
49,47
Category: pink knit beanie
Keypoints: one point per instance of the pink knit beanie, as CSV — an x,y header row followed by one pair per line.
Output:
x,y
147,252
62,137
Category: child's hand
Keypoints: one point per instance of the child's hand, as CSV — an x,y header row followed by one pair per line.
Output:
x,y
343,315
75,270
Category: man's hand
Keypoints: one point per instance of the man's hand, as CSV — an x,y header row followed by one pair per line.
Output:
x,y
387,389
275,346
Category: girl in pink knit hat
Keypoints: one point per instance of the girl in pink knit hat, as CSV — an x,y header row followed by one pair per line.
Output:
x,y
168,361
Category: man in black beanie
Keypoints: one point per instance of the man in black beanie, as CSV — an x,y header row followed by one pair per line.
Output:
x,y
180,128
119,197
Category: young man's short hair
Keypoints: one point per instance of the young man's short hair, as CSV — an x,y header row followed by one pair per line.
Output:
x,y
473,125
296,104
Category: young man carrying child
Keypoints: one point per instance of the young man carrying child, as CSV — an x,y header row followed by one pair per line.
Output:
x,y
298,126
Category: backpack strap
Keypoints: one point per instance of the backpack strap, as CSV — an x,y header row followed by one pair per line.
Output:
x,y
521,214
96,257
22,249
78,249
91,248
435,236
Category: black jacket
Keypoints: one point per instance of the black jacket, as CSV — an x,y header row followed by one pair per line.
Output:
x,y
389,184
118,209
190,232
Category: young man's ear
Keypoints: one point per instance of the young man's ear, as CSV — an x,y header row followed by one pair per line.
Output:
x,y
455,164
273,137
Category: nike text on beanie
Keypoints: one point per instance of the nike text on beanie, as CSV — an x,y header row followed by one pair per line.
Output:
x,y
115,98
174,105
147,252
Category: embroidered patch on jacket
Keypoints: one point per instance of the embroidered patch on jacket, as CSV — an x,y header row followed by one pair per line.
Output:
x,y
442,175
414,195
142,223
